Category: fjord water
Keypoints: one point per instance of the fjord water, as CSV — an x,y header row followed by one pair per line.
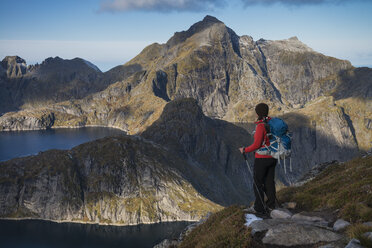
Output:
x,y
46,234
23,143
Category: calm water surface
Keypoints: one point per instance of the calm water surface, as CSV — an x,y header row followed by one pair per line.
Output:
x,y
46,234
23,143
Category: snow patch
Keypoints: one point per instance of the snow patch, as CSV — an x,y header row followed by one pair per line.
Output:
x,y
249,218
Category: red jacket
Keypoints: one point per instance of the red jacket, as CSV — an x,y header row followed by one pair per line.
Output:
x,y
259,137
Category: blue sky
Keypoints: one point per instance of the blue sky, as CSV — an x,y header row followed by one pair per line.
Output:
x,y
111,32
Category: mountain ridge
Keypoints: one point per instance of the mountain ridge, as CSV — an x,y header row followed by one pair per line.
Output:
x,y
228,75
120,180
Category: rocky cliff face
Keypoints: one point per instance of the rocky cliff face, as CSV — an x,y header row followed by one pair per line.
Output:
x,y
119,180
321,133
297,71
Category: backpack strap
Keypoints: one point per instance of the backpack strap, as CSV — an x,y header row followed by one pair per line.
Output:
x,y
267,126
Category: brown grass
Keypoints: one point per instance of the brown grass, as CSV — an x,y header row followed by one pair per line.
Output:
x,y
346,187
357,231
222,229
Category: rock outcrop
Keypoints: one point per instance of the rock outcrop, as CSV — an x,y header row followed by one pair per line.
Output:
x,y
288,233
119,180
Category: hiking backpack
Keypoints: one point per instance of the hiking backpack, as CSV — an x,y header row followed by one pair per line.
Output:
x,y
280,141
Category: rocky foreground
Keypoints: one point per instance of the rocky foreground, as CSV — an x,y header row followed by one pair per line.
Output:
x,y
320,217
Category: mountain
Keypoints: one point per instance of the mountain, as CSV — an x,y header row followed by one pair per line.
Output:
x,y
181,167
134,179
54,80
325,100
189,106
118,180
215,166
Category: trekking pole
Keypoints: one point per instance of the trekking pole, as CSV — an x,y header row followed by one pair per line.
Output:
x,y
254,183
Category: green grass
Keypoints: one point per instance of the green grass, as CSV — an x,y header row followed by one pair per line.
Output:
x,y
346,187
222,229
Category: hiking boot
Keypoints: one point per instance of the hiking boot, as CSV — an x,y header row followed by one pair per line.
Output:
x,y
252,210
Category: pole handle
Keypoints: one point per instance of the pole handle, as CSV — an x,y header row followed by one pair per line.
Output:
x,y
244,156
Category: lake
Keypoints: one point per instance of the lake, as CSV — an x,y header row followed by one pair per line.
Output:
x,y
23,143
46,234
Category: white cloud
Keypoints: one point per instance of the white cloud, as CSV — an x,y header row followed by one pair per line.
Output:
x,y
296,2
160,5
198,5
104,54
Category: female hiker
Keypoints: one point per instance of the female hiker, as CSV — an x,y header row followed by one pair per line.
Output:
x,y
264,165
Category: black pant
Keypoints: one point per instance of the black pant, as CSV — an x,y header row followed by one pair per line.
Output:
x,y
264,173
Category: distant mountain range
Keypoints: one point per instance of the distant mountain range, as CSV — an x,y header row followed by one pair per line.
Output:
x,y
54,80
194,96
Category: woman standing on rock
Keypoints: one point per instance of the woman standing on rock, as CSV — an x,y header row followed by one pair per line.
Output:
x,y
264,165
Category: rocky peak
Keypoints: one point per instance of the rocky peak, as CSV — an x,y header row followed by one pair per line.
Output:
x,y
292,44
180,37
293,38
71,63
13,59
65,69
52,60
14,66
210,19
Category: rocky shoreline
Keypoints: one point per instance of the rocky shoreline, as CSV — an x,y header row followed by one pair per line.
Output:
x,y
100,223
61,127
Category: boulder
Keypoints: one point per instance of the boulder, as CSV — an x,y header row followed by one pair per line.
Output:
x,y
340,224
309,218
368,235
369,223
354,243
281,213
286,232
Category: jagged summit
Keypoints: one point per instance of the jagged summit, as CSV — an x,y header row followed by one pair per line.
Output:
x,y
210,19
13,59
76,63
13,66
294,38
179,37
293,44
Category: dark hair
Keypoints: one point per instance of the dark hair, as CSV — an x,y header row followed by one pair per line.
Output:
x,y
262,110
